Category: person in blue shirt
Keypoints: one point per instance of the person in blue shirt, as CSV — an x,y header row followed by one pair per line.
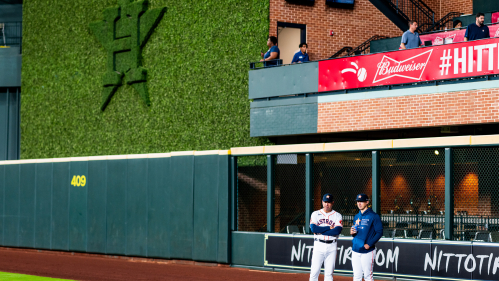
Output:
x,y
410,38
477,30
366,231
273,53
301,55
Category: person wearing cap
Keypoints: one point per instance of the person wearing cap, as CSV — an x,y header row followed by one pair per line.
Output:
x,y
326,225
367,229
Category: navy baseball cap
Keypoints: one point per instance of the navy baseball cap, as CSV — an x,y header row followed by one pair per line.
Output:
x,y
328,198
362,198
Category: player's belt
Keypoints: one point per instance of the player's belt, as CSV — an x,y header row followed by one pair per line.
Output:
x,y
326,241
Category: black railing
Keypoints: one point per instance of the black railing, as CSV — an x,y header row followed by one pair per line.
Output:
x,y
11,34
263,64
444,23
340,52
415,10
365,47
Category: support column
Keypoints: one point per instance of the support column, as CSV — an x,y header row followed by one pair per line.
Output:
x,y
309,189
376,182
233,193
449,194
270,192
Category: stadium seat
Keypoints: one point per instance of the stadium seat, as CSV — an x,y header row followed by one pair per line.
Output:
x,y
494,236
469,235
399,233
483,236
292,229
387,233
412,233
426,234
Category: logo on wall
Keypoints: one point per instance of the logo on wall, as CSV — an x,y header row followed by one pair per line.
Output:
x,y
361,73
411,68
123,32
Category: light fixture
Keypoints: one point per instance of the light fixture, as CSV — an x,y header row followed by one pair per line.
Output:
x,y
436,152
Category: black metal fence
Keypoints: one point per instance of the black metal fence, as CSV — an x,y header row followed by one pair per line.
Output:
x,y
252,193
289,197
11,34
412,191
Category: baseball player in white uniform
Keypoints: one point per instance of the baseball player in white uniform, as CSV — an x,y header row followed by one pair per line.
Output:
x,y
326,225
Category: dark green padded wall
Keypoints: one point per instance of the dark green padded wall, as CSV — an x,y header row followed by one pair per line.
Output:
x,y
151,207
60,208
2,201
43,205
223,210
96,202
136,208
205,244
158,212
27,206
116,206
11,219
78,206
247,248
181,207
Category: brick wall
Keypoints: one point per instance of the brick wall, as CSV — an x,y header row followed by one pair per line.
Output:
x,y
443,7
351,26
416,111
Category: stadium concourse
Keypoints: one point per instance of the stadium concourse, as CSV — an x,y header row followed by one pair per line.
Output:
x,y
97,267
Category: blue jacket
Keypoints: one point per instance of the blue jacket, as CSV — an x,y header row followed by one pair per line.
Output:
x,y
369,231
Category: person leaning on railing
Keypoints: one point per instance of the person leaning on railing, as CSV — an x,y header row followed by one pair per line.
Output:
x,y
273,53
477,30
411,39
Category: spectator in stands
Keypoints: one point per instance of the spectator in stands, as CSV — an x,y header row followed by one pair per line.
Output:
x,y
273,53
410,39
477,30
457,24
301,55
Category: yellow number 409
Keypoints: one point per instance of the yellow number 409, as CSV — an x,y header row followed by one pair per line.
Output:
x,y
79,181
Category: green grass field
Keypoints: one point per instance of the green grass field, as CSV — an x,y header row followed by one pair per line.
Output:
x,y
23,277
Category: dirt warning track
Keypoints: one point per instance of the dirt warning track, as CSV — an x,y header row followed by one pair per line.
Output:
x,y
96,267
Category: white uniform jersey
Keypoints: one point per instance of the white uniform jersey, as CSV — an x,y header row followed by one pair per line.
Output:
x,y
320,218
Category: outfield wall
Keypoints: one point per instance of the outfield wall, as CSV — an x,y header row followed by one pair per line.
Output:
x,y
172,206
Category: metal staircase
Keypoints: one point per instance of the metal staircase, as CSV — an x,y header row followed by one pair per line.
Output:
x,y
363,48
401,11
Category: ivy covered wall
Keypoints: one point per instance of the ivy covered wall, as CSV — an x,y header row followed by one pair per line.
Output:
x,y
197,66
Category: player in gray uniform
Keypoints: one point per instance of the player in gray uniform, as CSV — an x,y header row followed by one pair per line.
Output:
x,y
326,225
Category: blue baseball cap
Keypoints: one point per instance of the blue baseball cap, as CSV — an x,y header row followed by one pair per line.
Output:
x,y
328,198
362,198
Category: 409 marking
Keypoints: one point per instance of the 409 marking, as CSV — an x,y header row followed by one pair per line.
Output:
x,y
79,181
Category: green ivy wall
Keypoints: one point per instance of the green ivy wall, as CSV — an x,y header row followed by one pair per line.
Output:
x,y
197,61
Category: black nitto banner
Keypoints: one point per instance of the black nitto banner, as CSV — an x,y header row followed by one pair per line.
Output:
x,y
407,258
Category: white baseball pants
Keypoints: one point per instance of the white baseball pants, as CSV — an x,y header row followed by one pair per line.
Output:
x,y
323,253
363,263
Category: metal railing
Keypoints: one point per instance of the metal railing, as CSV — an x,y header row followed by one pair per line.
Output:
x,y
11,34
345,50
444,23
365,47
415,10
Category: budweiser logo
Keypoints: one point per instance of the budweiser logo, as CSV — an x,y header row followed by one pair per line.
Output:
x,y
411,68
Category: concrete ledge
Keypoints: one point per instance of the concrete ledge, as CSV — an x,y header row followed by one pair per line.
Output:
x,y
432,142
294,148
485,140
358,145
256,150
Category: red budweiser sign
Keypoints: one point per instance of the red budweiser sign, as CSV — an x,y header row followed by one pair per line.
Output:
x,y
449,61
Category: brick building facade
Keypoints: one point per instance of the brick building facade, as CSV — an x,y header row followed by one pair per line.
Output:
x,y
351,26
